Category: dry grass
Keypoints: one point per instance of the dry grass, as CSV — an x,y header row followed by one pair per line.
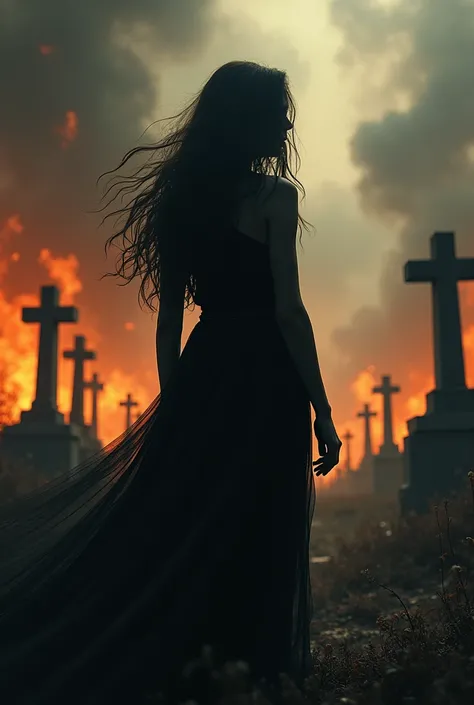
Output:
x,y
394,619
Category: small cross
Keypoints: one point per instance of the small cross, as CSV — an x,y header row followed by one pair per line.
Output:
x,y
79,354
366,414
95,386
129,403
386,389
347,437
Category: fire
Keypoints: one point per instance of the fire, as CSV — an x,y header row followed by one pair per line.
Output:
x,y
112,416
363,384
13,224
68,130
18,360
63,271
17,354
19,345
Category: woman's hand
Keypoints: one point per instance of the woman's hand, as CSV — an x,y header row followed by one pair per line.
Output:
x,y
329,445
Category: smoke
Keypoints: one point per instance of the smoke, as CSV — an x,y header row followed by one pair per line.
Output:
x,y
416,164
75,98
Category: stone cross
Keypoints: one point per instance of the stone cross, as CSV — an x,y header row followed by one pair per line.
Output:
x,y
49,315
129,403
366,414
386,389
347,437
79,354
444,270
95,386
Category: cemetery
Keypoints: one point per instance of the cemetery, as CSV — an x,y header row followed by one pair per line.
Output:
x,y
392,553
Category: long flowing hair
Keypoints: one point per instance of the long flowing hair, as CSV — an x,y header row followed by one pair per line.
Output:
x,y
189,184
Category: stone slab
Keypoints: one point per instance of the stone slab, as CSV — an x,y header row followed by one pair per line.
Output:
x,y
389,474
51,449
437,458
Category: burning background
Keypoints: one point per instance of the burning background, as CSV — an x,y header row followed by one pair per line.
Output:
x,y
386,116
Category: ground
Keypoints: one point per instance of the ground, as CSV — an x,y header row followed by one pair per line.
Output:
x,y
393,609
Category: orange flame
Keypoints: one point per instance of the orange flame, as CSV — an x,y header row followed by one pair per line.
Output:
x,y
68,130
63,271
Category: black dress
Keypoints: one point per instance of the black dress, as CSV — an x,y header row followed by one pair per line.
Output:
x,y
191,528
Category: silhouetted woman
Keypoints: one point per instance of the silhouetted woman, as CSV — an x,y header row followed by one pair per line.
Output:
x,y
193,526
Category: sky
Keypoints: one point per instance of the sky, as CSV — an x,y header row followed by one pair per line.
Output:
x,y
386,128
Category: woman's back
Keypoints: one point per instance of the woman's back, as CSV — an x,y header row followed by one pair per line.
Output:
x,y
232,267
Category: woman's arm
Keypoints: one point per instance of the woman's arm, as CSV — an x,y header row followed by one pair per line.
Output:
x,y
291,315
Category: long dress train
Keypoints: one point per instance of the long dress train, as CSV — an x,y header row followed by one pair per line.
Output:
x,y
191,528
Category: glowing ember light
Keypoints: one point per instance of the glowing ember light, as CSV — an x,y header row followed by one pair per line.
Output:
x,y
68,130
62,270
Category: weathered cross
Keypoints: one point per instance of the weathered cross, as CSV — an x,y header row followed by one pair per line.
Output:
x,y
49,315
95,386
366,414
347,437
79,354
444,270
386,389
129,403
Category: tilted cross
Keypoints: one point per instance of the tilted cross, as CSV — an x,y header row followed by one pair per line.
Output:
x,y
95,386
129,403
366,414
49,315
386,389
347,437
79,354
444,270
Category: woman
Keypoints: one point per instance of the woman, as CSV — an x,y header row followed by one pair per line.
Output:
x,y
192,527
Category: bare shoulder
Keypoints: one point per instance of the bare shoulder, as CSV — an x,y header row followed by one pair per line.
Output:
x,y
278,196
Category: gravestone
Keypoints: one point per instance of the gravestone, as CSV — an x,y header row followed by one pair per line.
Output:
x,y
349,478
128,403
347,438
364,478
95,386
41,438
388,462
439,448
79,354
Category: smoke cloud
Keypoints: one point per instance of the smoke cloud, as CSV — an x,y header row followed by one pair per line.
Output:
x,y
416,165
74,98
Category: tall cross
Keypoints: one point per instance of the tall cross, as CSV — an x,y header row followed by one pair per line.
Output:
x,y
79,354
49,315
366,414
386,389
444,270
95,386
129,403
347,437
